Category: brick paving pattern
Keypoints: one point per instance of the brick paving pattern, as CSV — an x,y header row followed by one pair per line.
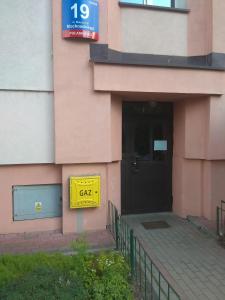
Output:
x,y
193,258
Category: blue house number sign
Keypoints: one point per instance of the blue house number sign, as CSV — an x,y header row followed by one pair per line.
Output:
x,y
80,19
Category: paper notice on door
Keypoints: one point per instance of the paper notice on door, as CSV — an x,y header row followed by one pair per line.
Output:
x,y
160,145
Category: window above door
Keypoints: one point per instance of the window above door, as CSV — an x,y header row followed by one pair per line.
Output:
x,y
164,3
161,3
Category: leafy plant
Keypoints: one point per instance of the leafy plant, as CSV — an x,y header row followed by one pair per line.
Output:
x,y
84,275
13,267
113,278
45,283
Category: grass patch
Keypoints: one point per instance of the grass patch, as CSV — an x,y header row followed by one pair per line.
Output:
x,y
84,276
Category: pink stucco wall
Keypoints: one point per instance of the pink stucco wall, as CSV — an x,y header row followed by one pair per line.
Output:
x,y
178,154
196,127
25,175
218,25
88,122
199,156
114,183
72,220
216,125
199,27
79,220
189,152
207,195
114,25
82,117
206,27
217,185
163,80
116,128
199,144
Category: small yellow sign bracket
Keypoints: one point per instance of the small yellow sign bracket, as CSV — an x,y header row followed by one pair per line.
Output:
x,y
85,192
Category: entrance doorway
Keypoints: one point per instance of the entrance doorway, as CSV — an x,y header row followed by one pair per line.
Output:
x,y
147,157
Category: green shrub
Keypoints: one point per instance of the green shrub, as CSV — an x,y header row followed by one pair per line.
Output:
x,y
86,276
45,283
106,276
16,266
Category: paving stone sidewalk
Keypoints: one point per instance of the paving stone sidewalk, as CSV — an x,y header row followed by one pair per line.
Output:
x,y
193,258
52,242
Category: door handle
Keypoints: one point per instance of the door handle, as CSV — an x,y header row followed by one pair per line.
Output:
x,y
134,165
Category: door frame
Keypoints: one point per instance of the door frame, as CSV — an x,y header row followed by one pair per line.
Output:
x,y
168,114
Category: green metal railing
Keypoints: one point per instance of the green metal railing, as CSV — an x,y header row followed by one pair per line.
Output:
x,y
150,282
221,221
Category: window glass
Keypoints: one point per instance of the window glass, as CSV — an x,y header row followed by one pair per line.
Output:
x,y
142,141
134,1
165,3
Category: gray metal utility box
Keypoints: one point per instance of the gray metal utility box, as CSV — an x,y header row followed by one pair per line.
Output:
x,y
37,202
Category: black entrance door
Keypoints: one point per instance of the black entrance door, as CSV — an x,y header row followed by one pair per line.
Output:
x,y
147,157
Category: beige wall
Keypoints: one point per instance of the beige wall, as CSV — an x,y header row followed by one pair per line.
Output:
x,y
26,127
26,45
26,82
199,32
153,32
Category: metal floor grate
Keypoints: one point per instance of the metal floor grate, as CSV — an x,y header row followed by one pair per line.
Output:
x,y
155,225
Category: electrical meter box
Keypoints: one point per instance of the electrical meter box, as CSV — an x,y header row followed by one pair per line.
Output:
x,y
85,191
37,202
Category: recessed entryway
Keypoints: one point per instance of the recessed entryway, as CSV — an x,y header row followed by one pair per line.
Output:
x,y
147,157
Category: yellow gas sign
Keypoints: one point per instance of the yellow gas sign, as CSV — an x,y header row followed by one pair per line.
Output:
x,y
85,192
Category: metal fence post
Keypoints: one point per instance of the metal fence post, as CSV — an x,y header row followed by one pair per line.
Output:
x,y
117,229
218,220
132,252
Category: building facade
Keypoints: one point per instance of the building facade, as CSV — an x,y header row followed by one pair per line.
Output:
x,y
143,108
